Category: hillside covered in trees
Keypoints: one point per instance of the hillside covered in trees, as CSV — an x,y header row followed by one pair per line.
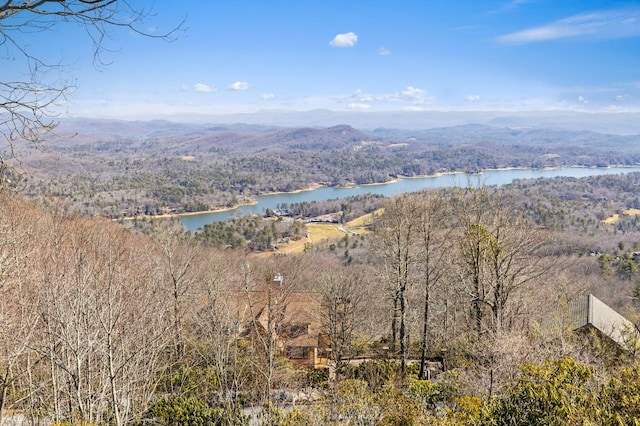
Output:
x,y
460,306
117,169
441,316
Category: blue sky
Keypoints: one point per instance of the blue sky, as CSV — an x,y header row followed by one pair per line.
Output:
x,y
359,55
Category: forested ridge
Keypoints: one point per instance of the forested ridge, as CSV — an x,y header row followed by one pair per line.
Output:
x,y
117,169
107,324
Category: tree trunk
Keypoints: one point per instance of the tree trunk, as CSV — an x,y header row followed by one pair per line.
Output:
x,y
477,305
394,325
3,394
403,336
425,335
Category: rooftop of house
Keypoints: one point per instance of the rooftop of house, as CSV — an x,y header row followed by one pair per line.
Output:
x,y
589,311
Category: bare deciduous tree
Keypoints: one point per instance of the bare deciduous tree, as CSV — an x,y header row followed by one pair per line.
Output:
x,y
104,323
216,327
497,253
178,254
396,235
343,294
30,103
472,210
18,321
433,249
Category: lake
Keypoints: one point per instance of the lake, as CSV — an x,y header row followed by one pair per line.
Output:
x,y
488,177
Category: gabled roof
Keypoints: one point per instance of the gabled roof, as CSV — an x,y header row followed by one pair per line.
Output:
x,y
297,311
298,307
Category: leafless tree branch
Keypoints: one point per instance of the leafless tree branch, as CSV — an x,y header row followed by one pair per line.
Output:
x,y
29,108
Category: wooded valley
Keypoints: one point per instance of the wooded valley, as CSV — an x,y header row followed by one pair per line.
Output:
x,y
451,309
124,169
473,305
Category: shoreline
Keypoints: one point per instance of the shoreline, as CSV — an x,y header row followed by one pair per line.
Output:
x,y
315,186
220,209
296,191
178,215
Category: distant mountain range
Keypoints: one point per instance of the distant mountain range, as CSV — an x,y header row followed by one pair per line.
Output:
x,y
619,123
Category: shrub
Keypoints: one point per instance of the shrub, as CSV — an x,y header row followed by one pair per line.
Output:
x,y
182,411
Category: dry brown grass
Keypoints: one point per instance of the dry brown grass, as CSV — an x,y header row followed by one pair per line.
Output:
x,y
327,233
614,219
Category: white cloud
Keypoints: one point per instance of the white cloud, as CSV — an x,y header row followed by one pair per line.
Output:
x,y
357,97
622,97
204,88
411,92
358,106
583,99
408,99
239,86
550,32
620,23
361,97
344,40
267,96
473,98
383,51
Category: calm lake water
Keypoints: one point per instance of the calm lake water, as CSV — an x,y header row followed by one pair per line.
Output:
x,y
489,177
